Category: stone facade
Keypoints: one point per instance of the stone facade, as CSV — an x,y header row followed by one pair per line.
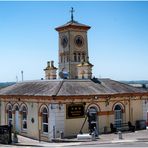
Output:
x,y
66,55
73,47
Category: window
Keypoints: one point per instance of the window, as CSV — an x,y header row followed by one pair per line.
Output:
x,y
118,115
64,58
45,120
83,56
16,108
79,57
9,114
75,57
24,118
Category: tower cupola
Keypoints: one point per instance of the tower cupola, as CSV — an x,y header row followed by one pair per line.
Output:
x,y
73,46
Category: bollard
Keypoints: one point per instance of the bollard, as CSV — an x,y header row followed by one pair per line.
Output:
x,y
61,135
120,135
93,136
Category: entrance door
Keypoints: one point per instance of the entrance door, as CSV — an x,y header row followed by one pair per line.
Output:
x,y
17,120
93,120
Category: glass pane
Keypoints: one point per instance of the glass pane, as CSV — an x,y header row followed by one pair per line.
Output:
x,y
118,118
45,118
9,114
117,107
44,110
9,108
16,108
24,115
24,109
45,128
24,124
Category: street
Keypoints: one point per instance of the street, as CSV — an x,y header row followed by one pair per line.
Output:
x,y
83,145
130,139
124,144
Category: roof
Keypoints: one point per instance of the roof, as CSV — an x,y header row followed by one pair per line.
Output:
x,y
73,25
69,88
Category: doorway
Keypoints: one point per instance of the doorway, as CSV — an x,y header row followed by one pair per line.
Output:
x,y
93,120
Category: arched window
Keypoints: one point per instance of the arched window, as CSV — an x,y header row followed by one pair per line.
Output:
x,y
24,118
64,58
45,120
9,114
118,115
15,107
83,56
75,57
79,57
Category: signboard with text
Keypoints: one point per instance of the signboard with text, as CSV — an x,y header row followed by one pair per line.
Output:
x,y
75,111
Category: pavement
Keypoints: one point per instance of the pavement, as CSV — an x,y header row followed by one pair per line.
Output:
x,y
137,136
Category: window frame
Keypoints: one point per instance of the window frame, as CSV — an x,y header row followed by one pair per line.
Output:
x,y
118,115
10,120
44,123
24,118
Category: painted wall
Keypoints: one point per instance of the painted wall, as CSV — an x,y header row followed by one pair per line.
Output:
x,y
133,111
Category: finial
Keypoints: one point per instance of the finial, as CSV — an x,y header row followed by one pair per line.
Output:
x,y
72,11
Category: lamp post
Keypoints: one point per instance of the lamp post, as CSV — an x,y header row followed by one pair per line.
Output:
x,y
22,75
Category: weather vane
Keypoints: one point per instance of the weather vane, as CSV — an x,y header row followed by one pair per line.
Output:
x,y
72,11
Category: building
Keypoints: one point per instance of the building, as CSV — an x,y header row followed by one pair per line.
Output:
x,y
43,109
145,101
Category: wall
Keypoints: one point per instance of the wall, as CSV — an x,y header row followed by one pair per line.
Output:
x,y
137,113
56,120
106,115
57,115
32,114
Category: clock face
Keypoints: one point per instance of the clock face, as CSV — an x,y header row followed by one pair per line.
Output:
x,y
79,41
64,41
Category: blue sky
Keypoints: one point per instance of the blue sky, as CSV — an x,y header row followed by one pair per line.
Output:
x,y
118,39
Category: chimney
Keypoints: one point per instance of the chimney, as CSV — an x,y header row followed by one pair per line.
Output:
x,y
48,64
50,71
52,63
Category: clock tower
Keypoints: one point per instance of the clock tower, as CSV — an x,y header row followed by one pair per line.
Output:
x,y
73,47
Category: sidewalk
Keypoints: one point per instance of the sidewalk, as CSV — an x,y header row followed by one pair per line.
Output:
x,y
141,135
